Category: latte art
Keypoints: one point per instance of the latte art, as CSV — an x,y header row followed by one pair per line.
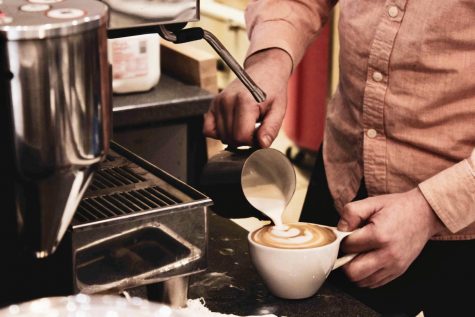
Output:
x,y
294,236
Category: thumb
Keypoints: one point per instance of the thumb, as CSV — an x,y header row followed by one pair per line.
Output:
x,y
271,124
356,213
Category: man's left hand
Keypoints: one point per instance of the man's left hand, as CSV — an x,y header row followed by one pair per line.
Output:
x,y
393,229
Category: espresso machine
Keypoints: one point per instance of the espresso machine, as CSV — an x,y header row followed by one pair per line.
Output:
x,y
81,213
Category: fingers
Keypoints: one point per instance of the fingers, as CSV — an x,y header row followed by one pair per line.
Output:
x,y
356,213
272,122
362,240
232,118
377,278
380,281
374,268
223,106
220,125
214,124
236,113
363,266
369,270
226,111
245,117
209,125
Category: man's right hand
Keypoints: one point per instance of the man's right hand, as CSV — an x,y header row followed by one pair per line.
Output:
x,y
234,113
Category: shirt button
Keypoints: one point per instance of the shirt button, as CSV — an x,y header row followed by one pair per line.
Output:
x,y
393,11
371,133
377,76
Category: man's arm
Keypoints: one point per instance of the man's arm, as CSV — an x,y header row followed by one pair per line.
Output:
x,y
451,194
288,25
279,32
396,227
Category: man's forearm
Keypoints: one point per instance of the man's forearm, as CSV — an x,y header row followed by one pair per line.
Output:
x,y
451,194
275,55
290,25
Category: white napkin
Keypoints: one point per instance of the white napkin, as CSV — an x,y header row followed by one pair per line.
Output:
x,y
196,307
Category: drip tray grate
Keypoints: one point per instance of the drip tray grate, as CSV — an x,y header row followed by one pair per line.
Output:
x,y
123,186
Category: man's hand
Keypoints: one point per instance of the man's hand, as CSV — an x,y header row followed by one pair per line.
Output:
x,y
394,229
234,112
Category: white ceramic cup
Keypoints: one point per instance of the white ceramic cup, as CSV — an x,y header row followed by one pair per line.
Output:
x,y
297,273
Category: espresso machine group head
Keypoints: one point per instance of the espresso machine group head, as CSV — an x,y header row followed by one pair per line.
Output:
x,y
55,127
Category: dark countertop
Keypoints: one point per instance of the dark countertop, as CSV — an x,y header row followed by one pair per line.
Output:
x,y
169,100
231,285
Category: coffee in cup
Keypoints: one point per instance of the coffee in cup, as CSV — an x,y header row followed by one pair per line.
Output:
x,y
294,236
295,259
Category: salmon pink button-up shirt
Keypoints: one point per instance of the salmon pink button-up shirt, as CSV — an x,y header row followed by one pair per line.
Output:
x,y
404,111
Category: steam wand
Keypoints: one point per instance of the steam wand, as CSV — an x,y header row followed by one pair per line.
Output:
x,y
193,34
176,34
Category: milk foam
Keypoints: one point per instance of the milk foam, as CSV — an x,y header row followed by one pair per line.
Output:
x,y
294,236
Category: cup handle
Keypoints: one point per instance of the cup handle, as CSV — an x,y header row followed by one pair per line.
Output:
x,y
346,258
343,260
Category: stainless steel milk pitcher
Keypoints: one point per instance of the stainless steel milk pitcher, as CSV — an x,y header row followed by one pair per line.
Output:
x,y
233,175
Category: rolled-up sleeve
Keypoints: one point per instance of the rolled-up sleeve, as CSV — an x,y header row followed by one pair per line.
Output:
x,y
451,193
290,25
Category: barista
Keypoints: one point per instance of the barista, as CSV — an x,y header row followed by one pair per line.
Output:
x,y
398,161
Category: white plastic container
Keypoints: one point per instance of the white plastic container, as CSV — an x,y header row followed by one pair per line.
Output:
x,y
135,62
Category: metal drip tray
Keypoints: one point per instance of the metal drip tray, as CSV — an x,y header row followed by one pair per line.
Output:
x,y
143,252
137,225
125,185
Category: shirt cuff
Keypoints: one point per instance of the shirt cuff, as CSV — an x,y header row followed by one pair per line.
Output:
x,y
264,37
451,194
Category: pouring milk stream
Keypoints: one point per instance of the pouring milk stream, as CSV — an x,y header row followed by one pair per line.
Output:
x,y
270,200
268,183
269,189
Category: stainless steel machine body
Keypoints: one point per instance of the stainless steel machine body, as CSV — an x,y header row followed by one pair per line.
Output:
x,y
137,228
135,225
138,13
60,108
